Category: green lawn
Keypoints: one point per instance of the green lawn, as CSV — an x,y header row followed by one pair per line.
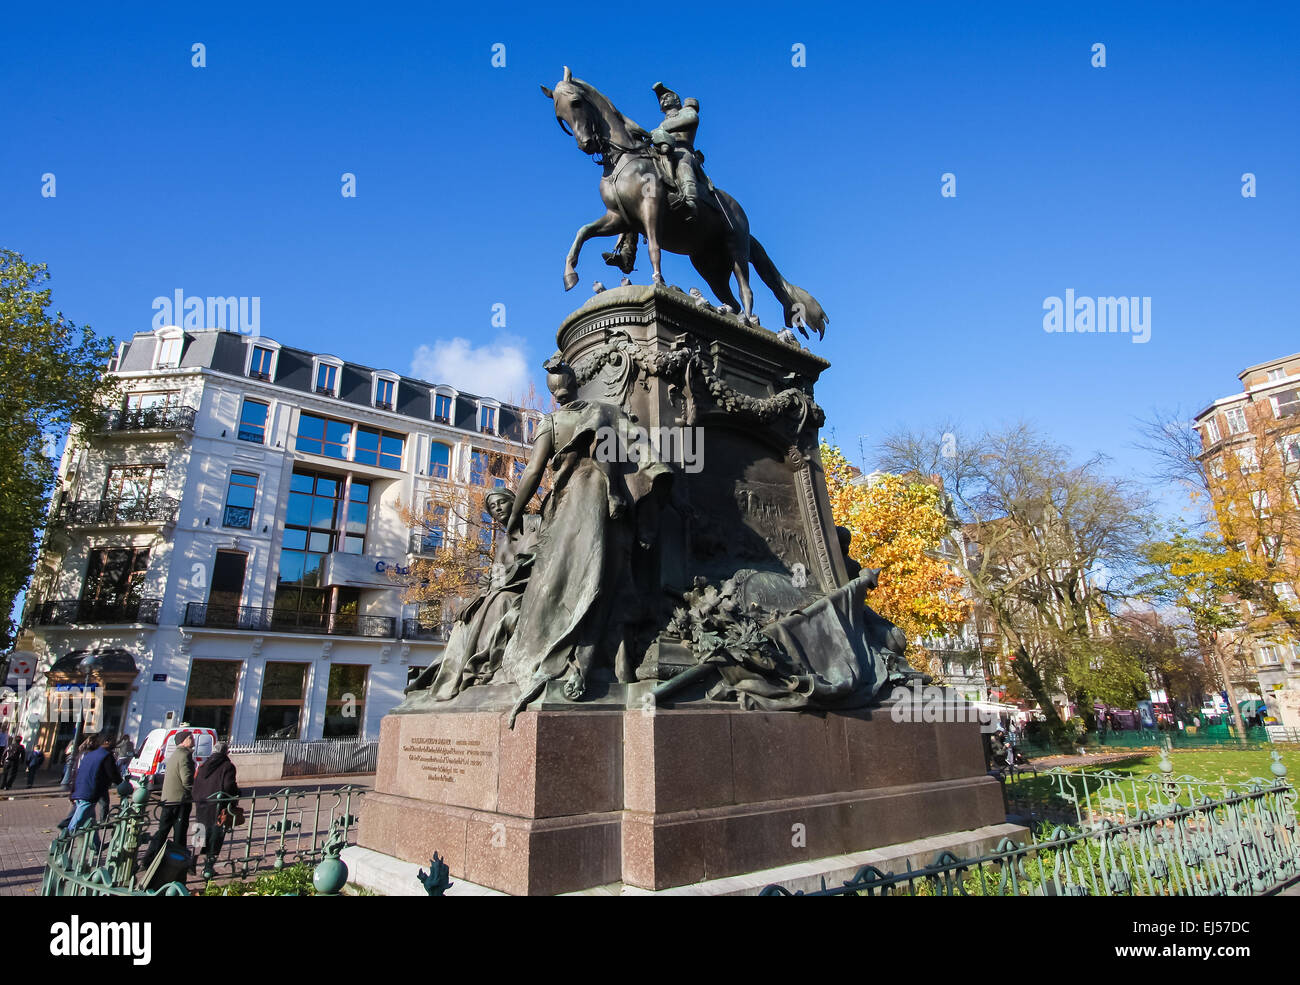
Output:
x,y
1233,766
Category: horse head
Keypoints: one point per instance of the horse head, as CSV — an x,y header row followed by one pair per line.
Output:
x,y
585,113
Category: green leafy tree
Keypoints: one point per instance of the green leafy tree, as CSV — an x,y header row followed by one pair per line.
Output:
x,y
1201,576
1046,546
51,379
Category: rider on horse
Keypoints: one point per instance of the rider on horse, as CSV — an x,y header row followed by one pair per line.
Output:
x,y
674,144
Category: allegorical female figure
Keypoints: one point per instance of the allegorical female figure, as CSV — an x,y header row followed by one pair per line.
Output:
x,y
573,622
479,635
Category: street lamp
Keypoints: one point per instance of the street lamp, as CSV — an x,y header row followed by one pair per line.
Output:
x,y
88,663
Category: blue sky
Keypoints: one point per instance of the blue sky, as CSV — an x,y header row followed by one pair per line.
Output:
x,y
1123,180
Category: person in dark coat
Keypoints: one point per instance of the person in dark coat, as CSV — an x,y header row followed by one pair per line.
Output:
x,y
216,775
35,759
14,756
96,775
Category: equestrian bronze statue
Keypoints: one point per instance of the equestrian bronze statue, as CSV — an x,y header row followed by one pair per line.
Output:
x,y
653,185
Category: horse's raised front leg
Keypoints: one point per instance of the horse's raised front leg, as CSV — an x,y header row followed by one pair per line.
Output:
x,y
610,224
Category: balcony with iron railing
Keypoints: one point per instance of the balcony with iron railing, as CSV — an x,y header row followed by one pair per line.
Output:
x,y
414,629
120,512
66,612
268,619
118,421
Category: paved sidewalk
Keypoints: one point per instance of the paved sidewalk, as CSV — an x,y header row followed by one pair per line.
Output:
x,y
29,821
1091,759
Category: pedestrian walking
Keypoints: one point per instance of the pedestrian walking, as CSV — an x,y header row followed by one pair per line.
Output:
x,y
177,796
96,775
12,761
216,776
35,758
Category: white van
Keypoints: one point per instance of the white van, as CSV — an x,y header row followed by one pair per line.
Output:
x,y
151,763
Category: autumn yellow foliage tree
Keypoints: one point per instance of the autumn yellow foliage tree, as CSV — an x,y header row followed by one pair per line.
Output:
x,y
898,525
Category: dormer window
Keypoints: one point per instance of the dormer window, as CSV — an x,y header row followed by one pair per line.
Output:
x,y
385,390
262,357
168,353
444,404
487,417
325,375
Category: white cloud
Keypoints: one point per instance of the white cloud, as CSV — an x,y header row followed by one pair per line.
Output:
x,y
498,369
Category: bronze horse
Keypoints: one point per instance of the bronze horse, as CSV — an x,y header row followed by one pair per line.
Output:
x,y
636,201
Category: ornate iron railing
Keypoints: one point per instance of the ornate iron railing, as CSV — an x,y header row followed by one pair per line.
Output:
x,y
120,512
149,419
269,619
63,612
237,516
1159,835
310,826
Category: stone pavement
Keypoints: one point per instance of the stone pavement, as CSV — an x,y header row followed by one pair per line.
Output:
x,y
28,823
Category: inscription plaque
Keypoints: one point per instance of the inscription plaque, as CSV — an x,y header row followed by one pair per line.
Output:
x,y
449,759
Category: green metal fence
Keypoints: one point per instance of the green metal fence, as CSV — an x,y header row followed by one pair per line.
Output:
x,y
282,828
1159,835
1212,737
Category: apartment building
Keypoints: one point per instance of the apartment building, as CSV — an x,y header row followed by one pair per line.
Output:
x,y
227,545
1251,452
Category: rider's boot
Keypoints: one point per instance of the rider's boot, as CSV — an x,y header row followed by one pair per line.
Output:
x,y
686,198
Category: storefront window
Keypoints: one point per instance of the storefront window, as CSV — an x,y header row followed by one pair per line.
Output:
x,y
284,690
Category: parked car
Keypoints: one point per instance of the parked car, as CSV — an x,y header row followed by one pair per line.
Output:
x,y
151,762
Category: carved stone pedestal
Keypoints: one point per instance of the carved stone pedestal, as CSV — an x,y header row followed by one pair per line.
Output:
x,y
584,797
730,407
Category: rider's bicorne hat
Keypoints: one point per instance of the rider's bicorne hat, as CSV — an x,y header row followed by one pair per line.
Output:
x,y
660,89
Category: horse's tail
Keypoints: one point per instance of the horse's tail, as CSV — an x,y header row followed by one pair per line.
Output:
x,y
801,308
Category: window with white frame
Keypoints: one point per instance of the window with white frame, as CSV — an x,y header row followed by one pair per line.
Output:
x,y
1285,591
444,403
1285,403
385,390
1268,655
241,494
1216,469
167,355
1276,374
1259,501
1288,448
1211,431
326,371
439,461
261,358
1236,418
1247,460
487,418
